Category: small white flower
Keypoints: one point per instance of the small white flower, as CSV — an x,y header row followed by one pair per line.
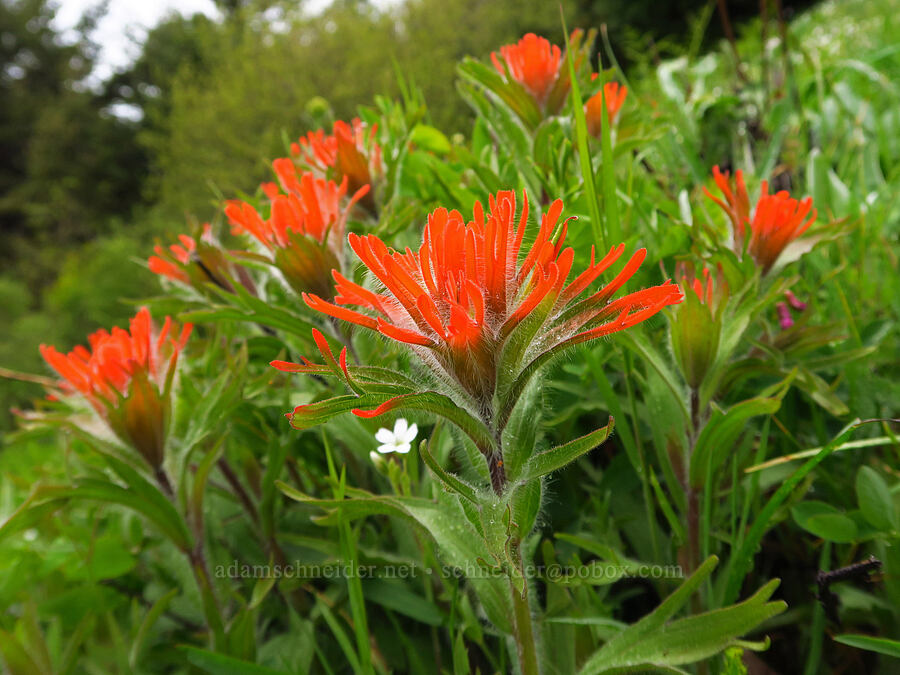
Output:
x,y
399,440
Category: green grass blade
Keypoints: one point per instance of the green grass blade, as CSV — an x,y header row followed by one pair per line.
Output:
x,y
584,150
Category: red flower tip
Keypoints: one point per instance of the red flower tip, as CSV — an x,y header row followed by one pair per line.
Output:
x,y
776,220
304,234
195,262
614,96
532,62
349,152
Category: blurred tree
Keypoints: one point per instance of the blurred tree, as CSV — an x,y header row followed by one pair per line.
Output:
x,y
66,164
228,121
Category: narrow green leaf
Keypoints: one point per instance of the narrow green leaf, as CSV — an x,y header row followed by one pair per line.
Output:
x,y
607,167
146,626
556,458
399,598
741,561
869,643
717,438
875,500
584,150
449,481
686,640
219,664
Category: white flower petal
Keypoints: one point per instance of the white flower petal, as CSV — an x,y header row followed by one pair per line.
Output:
x,y
388,447
400,427
403,448
384,436
411,433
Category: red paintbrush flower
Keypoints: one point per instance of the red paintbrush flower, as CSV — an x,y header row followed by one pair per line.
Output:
x,y
196,262
776,221
593,109
350,152
304,233
126,376
467,299
736,204
532,62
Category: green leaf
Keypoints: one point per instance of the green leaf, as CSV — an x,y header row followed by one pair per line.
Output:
x,y
718,436
219,664
874,498
655,644
870,643
445,407
556,458
607,167
741,561
399,598
461,546
834,527
601,236
449,481
510,92
243,306
640,345
146,626
430,139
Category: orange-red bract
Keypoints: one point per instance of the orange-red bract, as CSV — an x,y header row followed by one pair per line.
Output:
x,y
350,152
126,376
533,62
304,233
471,286
777,219
196,262
593,110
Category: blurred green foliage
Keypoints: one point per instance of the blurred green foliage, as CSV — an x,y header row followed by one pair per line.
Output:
x,y
83,192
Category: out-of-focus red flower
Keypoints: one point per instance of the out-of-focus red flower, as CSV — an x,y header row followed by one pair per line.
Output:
x,y
471,291
350,152
736,204
776,220
532,62
304,233
593,109
195,262
127,376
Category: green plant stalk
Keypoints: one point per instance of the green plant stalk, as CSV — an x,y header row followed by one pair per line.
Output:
x,y
817,628
210,605
196,558
349,555
526,646
645,471
692,498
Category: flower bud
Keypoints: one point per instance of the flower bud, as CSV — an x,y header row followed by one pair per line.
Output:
x,y
697,323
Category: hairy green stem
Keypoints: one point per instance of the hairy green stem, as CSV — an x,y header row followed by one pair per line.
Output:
x,y
526,646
